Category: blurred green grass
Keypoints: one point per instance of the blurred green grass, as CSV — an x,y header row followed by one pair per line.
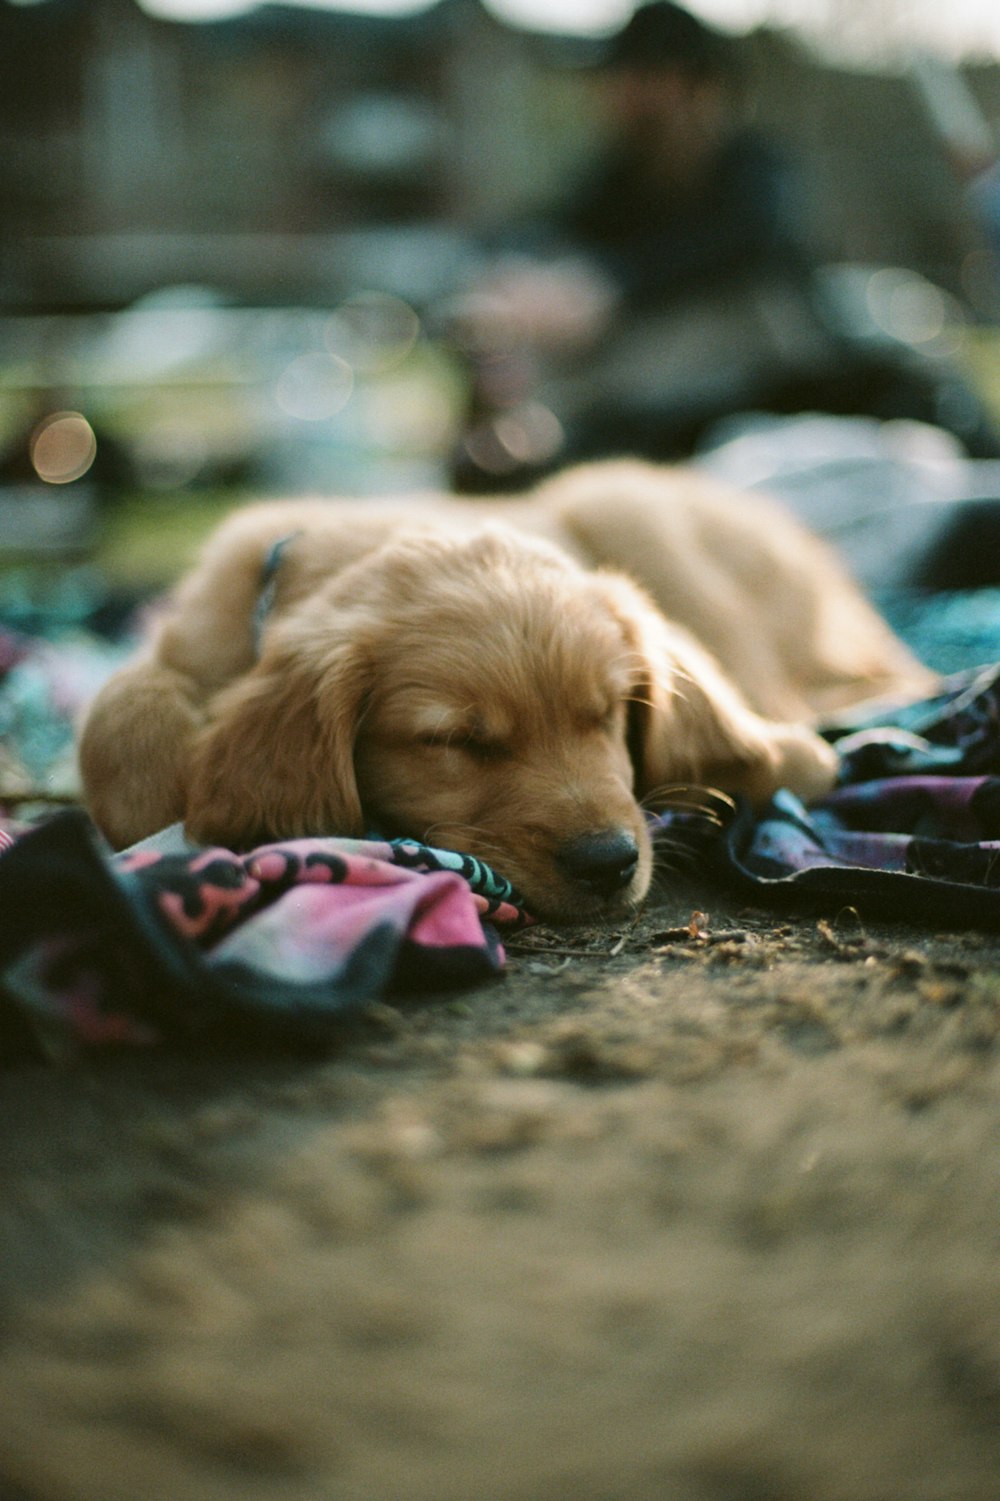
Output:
x,y
145,541
980,354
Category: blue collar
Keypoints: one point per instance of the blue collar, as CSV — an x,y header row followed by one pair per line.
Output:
x,y
269,587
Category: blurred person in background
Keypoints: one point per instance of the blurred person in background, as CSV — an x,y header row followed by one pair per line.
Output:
x,y
674,286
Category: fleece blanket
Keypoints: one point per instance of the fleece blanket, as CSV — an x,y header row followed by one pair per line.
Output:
x,y
913,828
280,945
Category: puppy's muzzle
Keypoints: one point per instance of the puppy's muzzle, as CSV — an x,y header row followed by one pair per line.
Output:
x,y
601,863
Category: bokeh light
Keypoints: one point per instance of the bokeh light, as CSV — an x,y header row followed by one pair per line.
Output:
x,y
526,435
314,387
906,306
373,331
63,447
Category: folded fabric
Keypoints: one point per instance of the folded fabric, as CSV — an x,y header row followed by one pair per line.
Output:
x,y
279,944
913,829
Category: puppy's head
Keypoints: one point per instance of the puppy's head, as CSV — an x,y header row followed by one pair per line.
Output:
x,y
482,694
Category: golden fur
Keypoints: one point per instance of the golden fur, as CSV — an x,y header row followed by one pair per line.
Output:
x,y
457,671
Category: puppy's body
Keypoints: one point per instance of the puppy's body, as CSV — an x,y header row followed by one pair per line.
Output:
x,y
457,671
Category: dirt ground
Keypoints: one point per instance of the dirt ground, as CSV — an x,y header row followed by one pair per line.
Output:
x,y
708,1210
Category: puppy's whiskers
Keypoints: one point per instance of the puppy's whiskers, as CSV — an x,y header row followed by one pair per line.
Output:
x,y
674,860
630,659
695,815
707,803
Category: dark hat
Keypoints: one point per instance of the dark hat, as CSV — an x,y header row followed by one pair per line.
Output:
x,y
661,34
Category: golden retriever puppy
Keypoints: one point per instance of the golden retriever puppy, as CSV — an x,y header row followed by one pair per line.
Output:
x,y
516,679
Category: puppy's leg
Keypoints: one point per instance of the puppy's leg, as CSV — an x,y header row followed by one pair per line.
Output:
x,y
134,751
700,721
690,724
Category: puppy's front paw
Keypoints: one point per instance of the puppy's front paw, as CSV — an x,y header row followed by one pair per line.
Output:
x,y
804,763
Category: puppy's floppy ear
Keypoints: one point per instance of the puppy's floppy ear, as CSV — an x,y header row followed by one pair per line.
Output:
x,y
276,757
689,723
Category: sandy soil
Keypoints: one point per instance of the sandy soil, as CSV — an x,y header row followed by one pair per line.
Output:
x,y
705,1211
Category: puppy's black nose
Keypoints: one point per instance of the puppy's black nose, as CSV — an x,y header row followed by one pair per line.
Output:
x,y
602,862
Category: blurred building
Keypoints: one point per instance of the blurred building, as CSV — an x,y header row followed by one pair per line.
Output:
x,y
288,154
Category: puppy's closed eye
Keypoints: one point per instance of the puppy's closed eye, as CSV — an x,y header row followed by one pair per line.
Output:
x,y
478,746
